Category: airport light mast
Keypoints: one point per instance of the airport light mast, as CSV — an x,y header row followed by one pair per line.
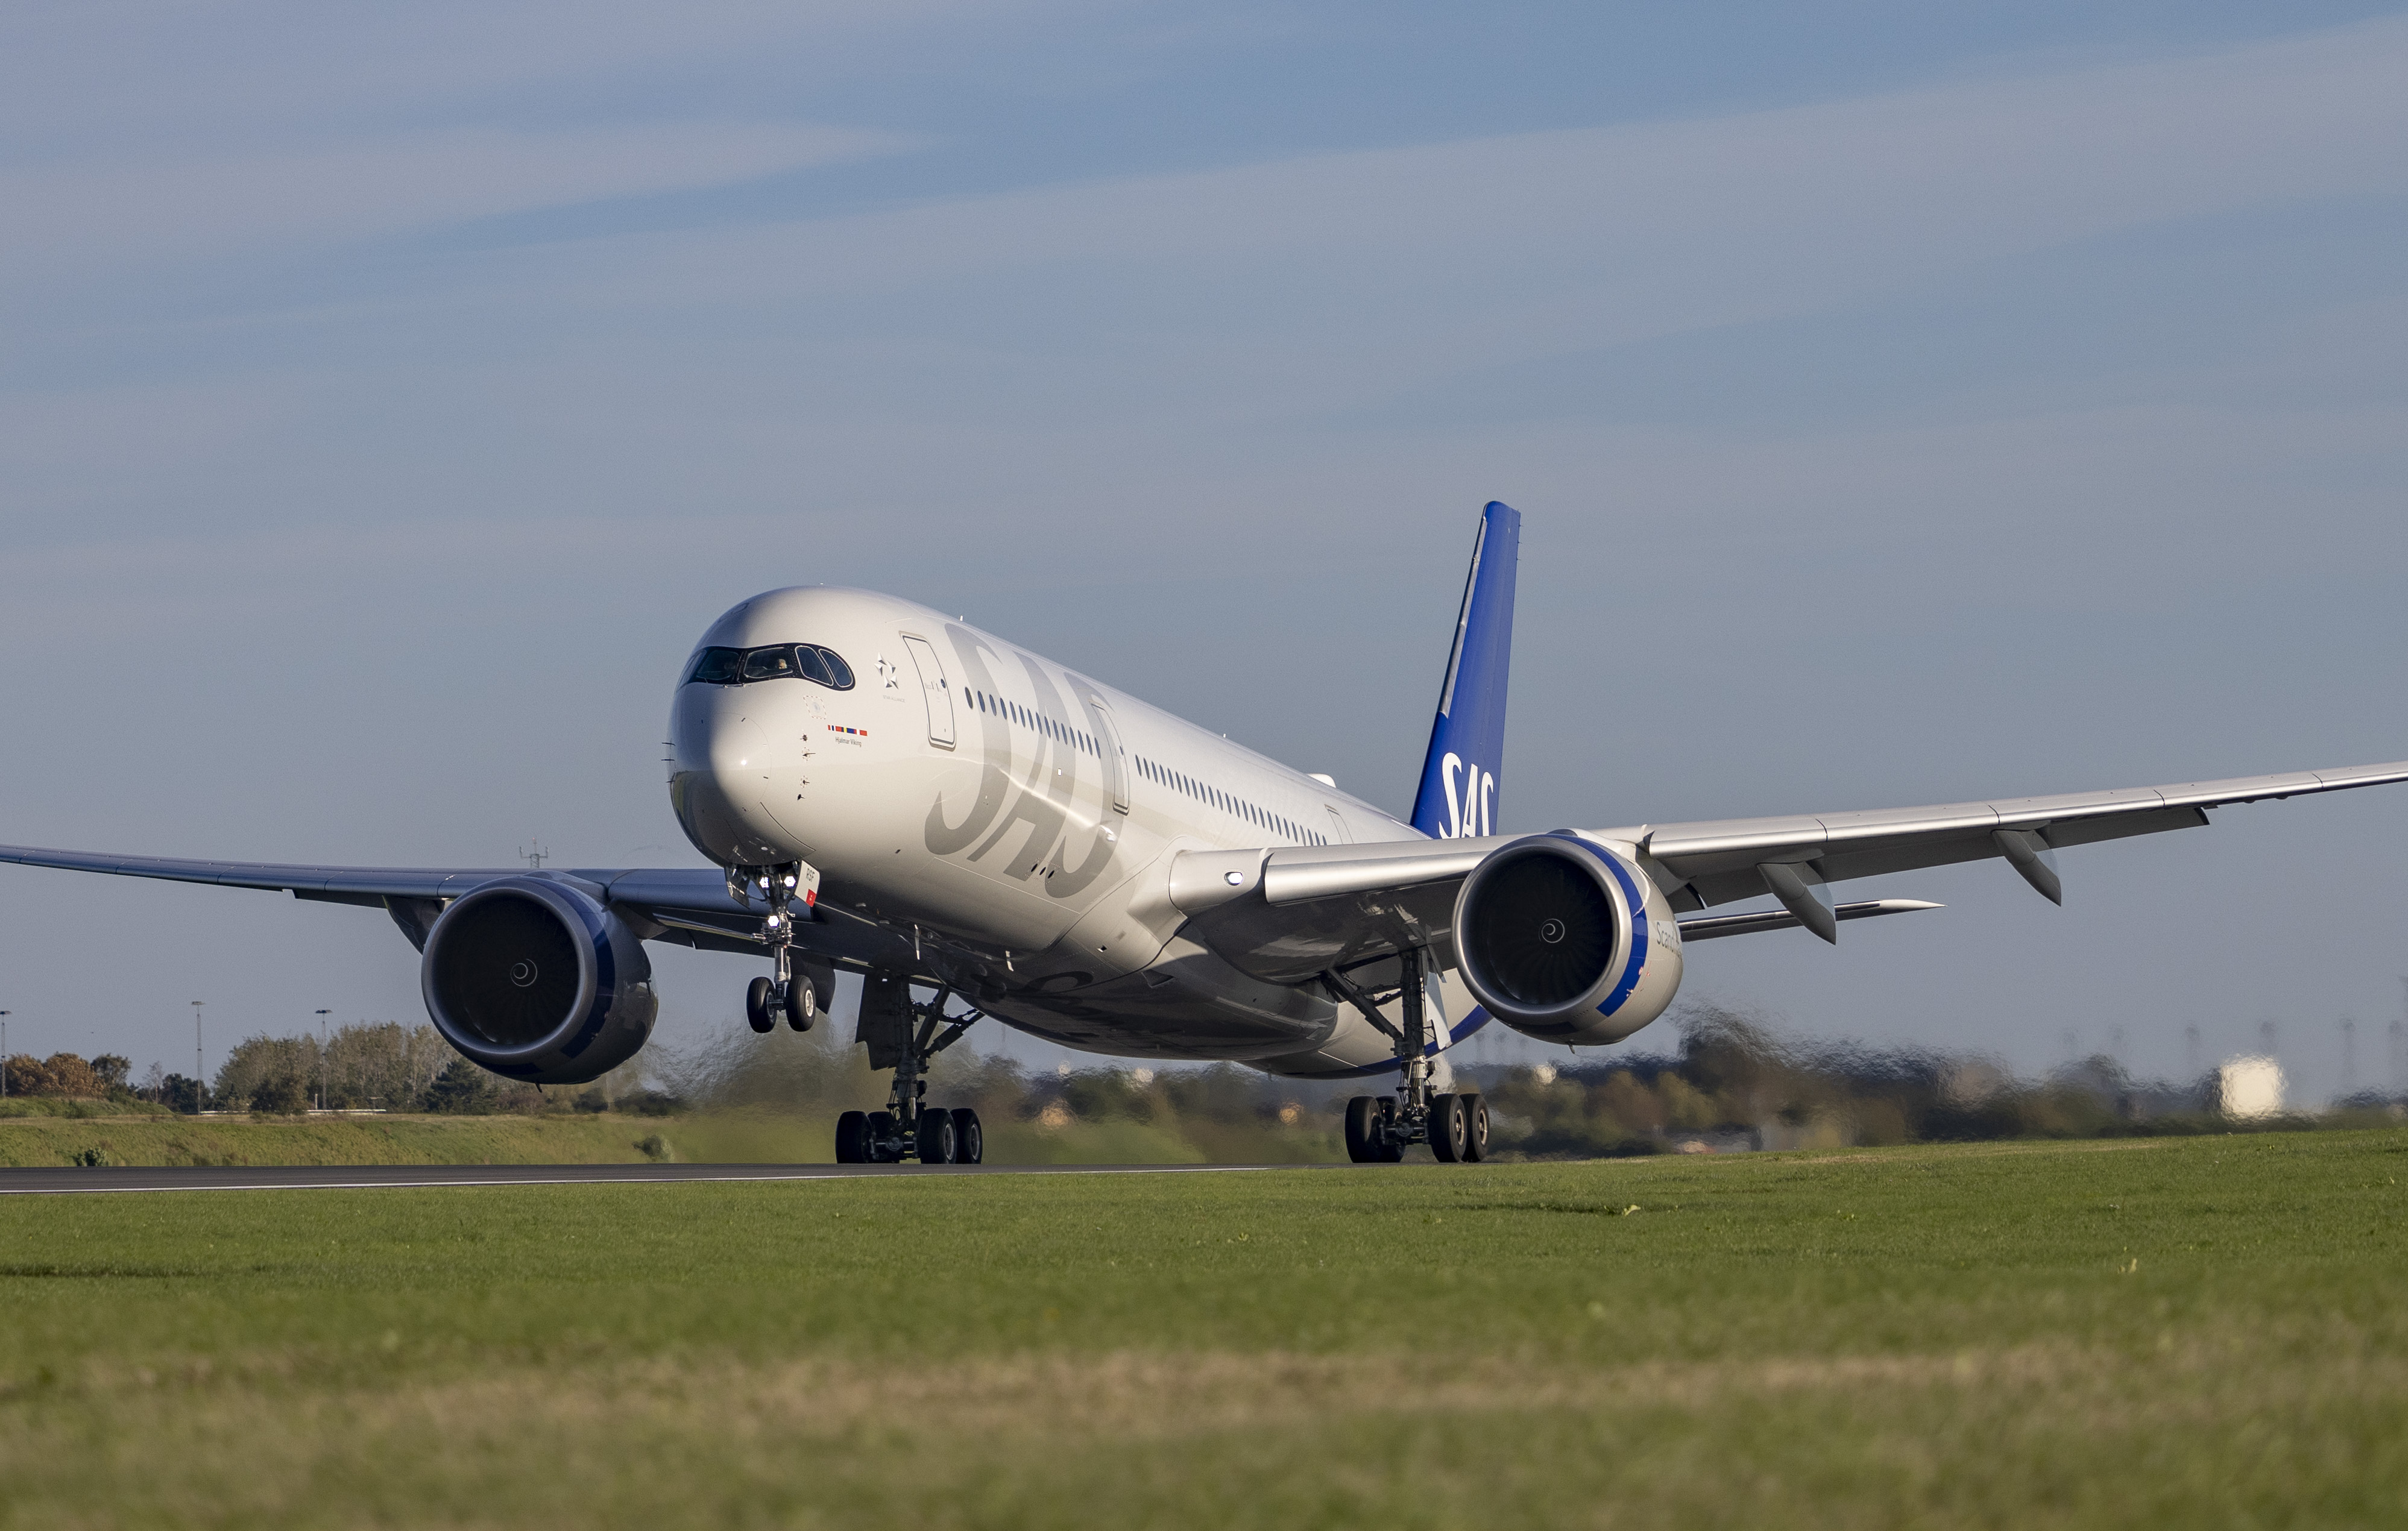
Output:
x,y
200,1074
321,1058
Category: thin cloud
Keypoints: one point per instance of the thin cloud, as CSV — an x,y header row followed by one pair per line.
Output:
x,y
1471,254
148,212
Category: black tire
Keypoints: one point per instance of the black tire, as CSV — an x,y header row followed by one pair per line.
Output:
x,y
1391,1151
1446,1128
799,1003
969,1138
852,1139
938,1143
1362,1140
1475,1129
881,1131
760,1000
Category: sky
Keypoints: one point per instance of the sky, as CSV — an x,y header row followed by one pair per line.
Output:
x,y
1907,404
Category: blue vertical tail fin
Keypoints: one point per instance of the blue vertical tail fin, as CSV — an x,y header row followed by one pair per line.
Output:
x,y
1467,747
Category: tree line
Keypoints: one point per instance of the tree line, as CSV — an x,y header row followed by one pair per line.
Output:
x,y
1730,1082
380,1065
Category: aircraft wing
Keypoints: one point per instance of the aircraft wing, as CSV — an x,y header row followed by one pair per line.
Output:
x,y
1288,913
1719,861
687,906
368,885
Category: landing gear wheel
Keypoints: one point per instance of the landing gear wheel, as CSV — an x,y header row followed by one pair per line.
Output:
x,y
760,997
1362,1127
903,1034
1391,1151
1447,1128
1475,1129
937,1143
852,1139
799,1003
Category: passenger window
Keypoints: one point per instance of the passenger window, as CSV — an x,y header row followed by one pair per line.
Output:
x,y
717,667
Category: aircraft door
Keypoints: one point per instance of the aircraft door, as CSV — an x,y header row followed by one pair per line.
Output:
x,y
934,690
1115,758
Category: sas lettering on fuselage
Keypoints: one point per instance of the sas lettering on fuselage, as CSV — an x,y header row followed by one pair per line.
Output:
x,y
1002,803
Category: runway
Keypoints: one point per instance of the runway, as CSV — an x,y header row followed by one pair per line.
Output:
x,y
81,1181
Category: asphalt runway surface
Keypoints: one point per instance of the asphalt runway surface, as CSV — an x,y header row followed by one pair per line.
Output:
x,y
72,1181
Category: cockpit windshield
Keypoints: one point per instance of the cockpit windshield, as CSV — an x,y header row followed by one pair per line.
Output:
x,y
774,662
768,663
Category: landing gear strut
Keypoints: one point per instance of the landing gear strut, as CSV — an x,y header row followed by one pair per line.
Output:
x,y
903,1034
798,989
1378,1128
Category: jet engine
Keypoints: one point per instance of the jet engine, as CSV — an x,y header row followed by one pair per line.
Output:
x,y
538,982
1562,939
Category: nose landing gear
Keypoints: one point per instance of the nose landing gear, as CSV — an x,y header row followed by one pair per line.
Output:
x,y
903,1034
1378,1128
799,990
797,995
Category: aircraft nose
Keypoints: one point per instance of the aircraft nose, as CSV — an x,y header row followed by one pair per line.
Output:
x,y
722,764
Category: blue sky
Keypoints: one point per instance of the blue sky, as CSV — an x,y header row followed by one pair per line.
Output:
x,y
1908,403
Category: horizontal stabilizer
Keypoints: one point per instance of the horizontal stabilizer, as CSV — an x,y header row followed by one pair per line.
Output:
x,y
1747,924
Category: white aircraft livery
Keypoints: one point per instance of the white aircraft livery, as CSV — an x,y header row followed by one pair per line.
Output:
x,y
980,832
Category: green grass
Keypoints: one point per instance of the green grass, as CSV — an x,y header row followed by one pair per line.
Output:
x,y
2199,1332
721,1136
40,1105
324,1140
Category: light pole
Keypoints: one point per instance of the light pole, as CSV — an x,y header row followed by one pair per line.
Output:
x,y
200,1073
321,1058
3,1054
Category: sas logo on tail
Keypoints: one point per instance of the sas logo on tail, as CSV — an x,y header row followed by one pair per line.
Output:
x,y
1470,799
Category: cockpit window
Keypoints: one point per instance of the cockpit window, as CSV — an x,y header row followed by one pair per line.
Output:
x,y
720,666
768,663
774,662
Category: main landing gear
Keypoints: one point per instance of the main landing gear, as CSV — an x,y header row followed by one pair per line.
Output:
x,y
1378,1128
903,1034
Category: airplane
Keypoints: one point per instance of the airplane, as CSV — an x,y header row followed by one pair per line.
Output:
x,y
895,793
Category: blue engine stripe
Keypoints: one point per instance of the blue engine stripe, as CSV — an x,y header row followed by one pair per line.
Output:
x,y
1638,935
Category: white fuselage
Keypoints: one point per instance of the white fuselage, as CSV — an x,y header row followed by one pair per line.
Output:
x,y
1019,818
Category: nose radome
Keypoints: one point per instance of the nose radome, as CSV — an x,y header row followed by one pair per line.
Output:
x,y
723,770
736,750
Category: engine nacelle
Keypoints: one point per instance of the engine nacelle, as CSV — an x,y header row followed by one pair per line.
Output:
x,y
1562,939
538,982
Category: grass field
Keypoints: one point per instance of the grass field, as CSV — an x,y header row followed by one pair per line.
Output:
x,y
719,1136
2195,1332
